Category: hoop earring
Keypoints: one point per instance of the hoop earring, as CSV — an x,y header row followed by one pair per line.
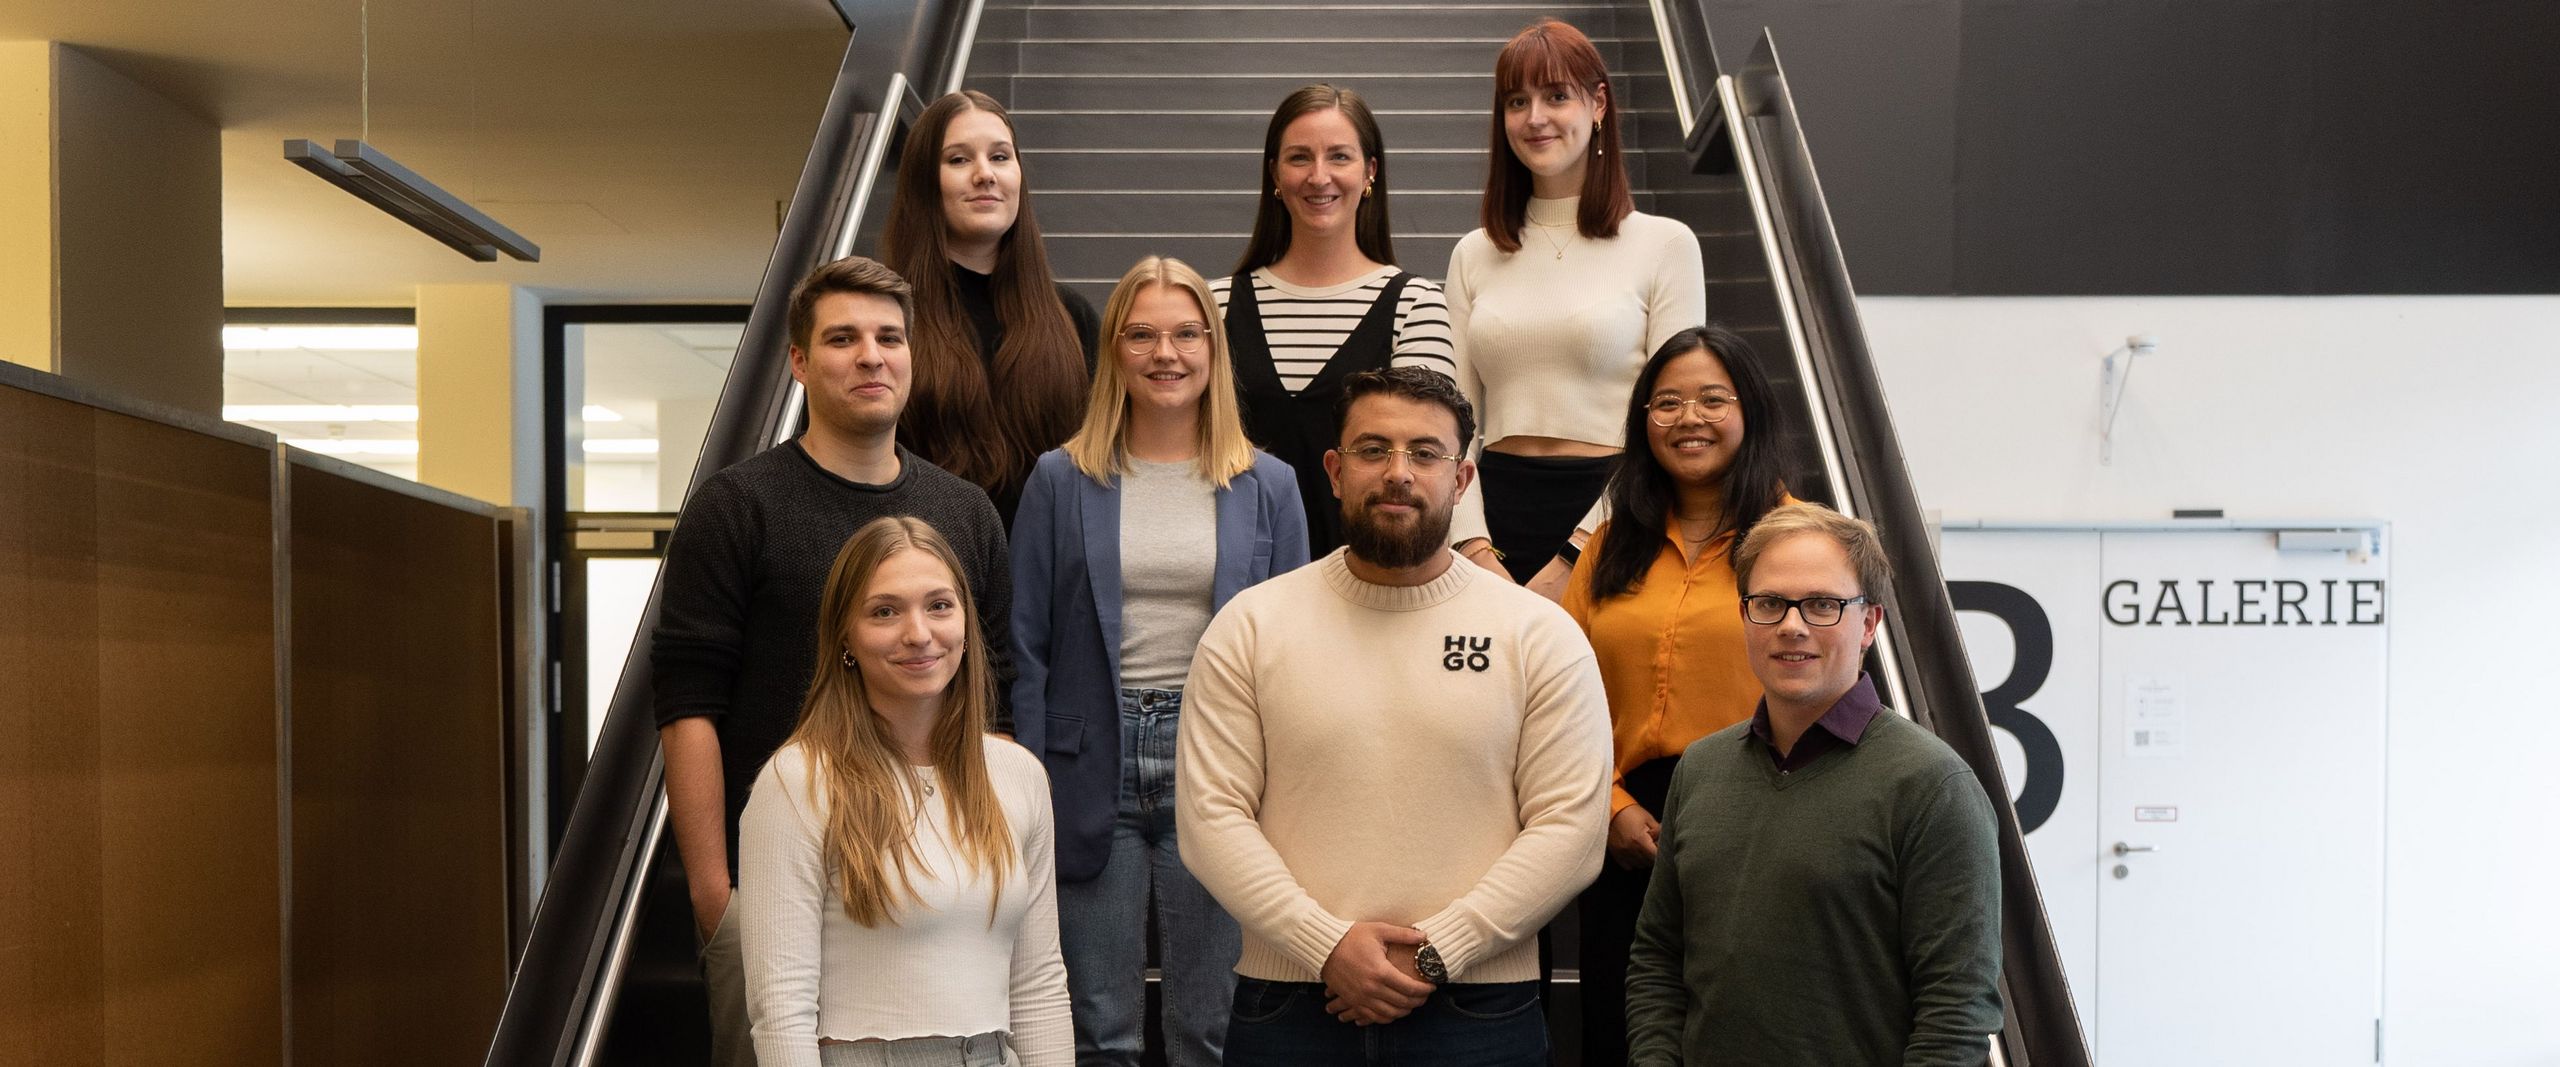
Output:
x,y
847,656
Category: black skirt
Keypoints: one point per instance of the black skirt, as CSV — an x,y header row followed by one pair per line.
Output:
x,y
1533,503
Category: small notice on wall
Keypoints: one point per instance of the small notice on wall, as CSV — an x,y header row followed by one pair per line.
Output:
x,y
2155,813
2155,721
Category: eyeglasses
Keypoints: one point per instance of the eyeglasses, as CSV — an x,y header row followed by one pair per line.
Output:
x,y
1713,407
1188,339
1767,610
1425,458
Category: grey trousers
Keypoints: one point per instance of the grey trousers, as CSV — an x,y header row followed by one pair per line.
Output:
x,y
724,978
984,1050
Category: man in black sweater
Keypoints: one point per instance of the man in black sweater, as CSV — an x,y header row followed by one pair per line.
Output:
x,y
736,640
1827,890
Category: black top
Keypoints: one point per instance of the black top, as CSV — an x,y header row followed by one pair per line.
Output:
x,y
746,567
978,300
1299,427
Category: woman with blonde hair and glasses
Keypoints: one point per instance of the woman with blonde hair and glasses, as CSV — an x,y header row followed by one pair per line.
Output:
x,y
895,876
1154,515
1554,303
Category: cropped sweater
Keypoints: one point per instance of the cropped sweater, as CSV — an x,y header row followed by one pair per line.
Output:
x,y
1549,339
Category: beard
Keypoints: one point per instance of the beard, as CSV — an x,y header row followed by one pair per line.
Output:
x,y
1390,542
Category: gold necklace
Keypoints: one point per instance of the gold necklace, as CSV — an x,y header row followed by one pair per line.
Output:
x,y
1552,242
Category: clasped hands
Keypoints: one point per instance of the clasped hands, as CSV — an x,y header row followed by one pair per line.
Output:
x,y
1371,978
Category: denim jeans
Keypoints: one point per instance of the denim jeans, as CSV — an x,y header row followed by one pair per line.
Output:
x,y
1463,1024
1102,923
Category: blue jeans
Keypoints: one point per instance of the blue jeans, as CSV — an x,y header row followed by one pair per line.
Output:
x,y
1102,923
1464,1024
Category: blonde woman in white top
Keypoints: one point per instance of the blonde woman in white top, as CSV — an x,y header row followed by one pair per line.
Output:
x,y
1554,305
896,896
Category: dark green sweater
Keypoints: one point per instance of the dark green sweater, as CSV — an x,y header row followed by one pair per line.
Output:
x,y
1846,914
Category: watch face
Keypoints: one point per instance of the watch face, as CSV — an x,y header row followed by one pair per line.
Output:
x,y
1427,961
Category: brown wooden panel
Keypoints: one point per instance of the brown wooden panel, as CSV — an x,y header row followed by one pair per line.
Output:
x,y
399,787
137,741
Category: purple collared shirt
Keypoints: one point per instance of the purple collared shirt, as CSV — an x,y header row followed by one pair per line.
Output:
x,y
1845,723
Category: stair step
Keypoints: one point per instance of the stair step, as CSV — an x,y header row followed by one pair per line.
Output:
x,y
1311,59
1403,90
1205,129
1299,20
1222,211
1101,259
1229,168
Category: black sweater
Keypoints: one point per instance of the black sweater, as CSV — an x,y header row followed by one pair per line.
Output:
x,y
738,609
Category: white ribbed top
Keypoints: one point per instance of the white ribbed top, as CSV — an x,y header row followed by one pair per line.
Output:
x,y
942,969
1549,344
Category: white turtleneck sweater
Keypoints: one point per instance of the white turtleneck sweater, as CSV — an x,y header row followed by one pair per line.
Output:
x,y
1549,338
1435,756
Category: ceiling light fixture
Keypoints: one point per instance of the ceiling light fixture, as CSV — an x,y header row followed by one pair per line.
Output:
x,y
365,171
599,413
325,413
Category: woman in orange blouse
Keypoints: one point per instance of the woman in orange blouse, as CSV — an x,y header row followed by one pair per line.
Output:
x,y
1657,597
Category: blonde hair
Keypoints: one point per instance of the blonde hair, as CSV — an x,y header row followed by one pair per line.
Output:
x,y
1856,537
871,822
1101,448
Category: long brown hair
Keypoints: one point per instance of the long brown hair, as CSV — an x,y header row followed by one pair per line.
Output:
x,y
954,416
1551,52
1101,448
1271,223
858,767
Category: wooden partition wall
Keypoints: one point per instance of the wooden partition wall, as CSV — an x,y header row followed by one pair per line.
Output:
x,y
256,717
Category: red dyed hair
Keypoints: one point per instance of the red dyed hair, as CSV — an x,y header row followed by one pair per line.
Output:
x,y
1551,52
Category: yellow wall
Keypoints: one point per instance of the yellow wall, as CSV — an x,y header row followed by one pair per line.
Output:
x,y
26,203
480,392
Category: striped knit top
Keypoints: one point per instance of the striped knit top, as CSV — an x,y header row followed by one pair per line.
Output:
x,y
1304,326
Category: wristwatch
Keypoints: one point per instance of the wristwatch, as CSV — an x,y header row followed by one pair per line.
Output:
x,y
1426,961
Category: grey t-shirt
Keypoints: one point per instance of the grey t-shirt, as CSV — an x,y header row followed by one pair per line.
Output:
x,y
1168,570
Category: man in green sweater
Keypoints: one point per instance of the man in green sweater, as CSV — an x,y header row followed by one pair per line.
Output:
x,y
1827,891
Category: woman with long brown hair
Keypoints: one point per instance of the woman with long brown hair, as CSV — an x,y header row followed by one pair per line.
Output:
x,y
987,309
896,892
1318,297
1555,302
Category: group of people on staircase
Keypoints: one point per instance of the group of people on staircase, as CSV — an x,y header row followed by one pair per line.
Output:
x,y
1311,635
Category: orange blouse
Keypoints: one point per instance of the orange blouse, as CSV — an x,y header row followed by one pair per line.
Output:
x,y
1670,652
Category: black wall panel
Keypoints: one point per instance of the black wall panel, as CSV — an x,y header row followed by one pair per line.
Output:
x,y
2208,147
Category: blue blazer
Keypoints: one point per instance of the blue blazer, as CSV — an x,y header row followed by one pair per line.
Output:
x,y
1066,625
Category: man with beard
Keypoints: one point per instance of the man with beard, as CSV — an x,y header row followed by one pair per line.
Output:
x,y
1395,769
737,624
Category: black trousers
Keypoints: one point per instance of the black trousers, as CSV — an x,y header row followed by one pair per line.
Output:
x,y
1608,911
1532,503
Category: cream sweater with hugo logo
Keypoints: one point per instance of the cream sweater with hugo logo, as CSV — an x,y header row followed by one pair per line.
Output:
x,y
1435,756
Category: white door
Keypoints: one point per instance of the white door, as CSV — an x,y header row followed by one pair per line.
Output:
x,y
2233,730
2241,693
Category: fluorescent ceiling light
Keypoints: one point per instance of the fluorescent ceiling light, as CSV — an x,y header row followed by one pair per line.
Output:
x,y
336,338
622,446
599,413
363,170
348,446
320,412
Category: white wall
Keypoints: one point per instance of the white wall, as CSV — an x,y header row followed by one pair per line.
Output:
x,y
2438,414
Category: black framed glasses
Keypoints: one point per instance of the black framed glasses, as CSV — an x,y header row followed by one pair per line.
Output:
x,y
1713,407
1425,458
1766,610
1188,339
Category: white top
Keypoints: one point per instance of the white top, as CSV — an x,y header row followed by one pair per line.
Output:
x,y
940,968
1550,338
1305,325
1433,755
1168,569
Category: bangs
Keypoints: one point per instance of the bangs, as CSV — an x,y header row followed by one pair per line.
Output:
x,y
1548,53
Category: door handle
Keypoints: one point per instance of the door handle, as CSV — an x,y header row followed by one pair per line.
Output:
x,y
2123,849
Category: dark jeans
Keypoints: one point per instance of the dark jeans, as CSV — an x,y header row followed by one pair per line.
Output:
x,y
1464,1024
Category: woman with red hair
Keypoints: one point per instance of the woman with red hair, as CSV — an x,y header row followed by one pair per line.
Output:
x,y
1554,304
